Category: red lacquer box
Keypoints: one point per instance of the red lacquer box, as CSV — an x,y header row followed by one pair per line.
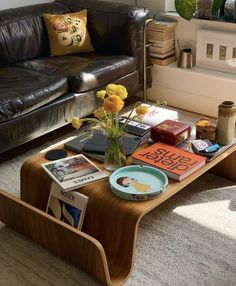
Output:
x,y
170,132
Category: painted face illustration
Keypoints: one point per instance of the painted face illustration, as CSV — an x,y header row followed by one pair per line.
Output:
x,y
72,29
68,20
76,39
65,39
128,181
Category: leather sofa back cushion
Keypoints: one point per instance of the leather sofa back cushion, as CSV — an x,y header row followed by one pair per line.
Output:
x,y
68,33
113,27
23,34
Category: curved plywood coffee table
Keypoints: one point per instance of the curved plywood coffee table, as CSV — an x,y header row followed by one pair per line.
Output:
x,y
106,246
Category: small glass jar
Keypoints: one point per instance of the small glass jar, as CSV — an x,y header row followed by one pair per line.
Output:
x,y
200,124
209,132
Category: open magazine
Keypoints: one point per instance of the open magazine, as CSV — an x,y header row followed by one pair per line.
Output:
x,y
73,172
69,207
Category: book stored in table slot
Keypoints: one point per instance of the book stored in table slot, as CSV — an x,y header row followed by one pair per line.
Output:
x,y
176,163
73,172
69,207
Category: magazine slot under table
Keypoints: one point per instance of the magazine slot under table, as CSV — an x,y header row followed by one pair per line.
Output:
x,y
63,240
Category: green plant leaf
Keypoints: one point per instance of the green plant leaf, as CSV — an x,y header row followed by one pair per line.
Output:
x,y
216,6
185,8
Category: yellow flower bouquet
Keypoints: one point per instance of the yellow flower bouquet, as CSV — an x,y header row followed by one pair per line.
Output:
x,y
106,118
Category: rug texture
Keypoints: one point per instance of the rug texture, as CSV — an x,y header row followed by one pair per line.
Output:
x,y
188,240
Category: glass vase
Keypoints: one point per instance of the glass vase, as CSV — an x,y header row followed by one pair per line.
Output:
x,y
114,154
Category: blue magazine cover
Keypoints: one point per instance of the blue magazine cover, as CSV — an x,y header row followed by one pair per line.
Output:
x,y
69,207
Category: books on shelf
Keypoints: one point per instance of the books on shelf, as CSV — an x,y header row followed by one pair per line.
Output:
x,y
162,56
163,62
176,163
164,44
161,51
155,37
161,34
69,207
73,172
162,26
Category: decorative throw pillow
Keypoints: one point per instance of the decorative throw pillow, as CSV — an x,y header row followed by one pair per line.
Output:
x,y
68,33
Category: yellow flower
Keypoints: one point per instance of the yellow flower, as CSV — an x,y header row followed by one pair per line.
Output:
x,y
141,110
99,113
111,89
113,104
76,122
101,93
121,91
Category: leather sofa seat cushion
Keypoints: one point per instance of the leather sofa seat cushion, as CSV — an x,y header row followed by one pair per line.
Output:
x,y
23,90
84,72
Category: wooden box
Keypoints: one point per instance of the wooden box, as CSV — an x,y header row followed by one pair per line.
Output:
x,y
170,132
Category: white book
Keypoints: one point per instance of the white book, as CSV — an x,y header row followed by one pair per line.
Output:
x,y
69,207
73,172
157,115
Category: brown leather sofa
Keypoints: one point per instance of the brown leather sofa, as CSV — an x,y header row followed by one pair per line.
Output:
x,y
38,93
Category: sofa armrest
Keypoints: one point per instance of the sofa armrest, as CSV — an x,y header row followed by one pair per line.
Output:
x,y
113,27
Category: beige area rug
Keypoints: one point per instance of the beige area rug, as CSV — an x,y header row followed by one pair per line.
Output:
x,y
188,240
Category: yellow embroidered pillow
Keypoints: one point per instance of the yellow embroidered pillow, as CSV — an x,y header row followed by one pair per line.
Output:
x,y
68,33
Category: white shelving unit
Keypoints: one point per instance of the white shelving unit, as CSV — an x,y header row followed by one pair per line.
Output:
x,y
196,89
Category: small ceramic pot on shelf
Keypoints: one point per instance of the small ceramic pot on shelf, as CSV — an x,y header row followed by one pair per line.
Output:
x,y
226,122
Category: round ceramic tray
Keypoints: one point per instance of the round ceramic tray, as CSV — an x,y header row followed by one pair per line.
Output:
x,y
138,183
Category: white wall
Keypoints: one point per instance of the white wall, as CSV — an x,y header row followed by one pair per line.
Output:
x,y
5,4
153,5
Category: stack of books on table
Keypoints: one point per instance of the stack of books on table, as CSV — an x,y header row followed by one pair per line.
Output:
x,y
162,38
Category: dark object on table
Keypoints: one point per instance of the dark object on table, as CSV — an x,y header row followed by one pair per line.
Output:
x,y
55,154
77,145
98,144
95,146
170,132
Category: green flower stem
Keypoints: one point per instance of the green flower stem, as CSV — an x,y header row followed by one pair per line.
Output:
x,y
114,157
